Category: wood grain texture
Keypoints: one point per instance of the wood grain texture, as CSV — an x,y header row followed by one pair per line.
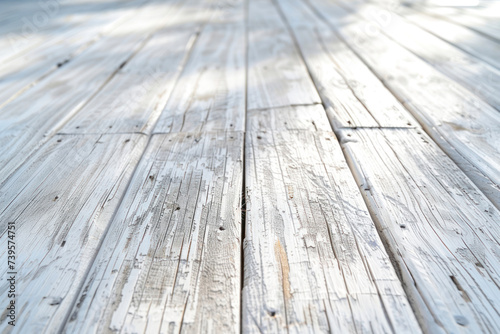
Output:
x,y
310,118
477,76
277,76
57,46
61,201
468,127
468,40
210,92
352,94
442,230
486,26
313,258
171,259
134,98
31,119
41,22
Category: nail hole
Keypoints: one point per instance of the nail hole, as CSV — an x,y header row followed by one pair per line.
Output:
x,y
222,228
127,140
63,243
151,177
177,208
59,140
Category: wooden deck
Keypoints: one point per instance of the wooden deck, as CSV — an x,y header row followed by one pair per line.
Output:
x,y
255,166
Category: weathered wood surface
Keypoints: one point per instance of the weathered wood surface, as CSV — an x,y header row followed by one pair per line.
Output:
x,y
171,259
310,118
477,76
468,40
352,94
277,76
486,26
59,47
43,22
313,259
28,121
136,95
210,92
442,230
467,128
102,250
61,201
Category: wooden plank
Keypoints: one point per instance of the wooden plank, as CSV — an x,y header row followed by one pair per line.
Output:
x,y
472,73
134,98
466,127
352,94
313,259
25,70
210,92
442,231
31,119
171,259
310,118
45,22
277,76
28,70
61,203
485,26
463,38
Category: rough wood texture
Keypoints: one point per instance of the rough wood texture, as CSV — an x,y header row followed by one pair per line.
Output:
x,y
171,259
29,120
476,44
61,202
467,128
42,23
311,118
74,34
477,76
352,94
277,76
313,258
210,92
442,230
133,100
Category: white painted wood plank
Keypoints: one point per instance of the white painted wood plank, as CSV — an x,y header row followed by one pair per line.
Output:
x,y
442,230
134,98
31,119
210,92
352,94
313,259
467,128
277,76
477,76
476,44
486,26
171,259
310,118
45,22
61,46
61,201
